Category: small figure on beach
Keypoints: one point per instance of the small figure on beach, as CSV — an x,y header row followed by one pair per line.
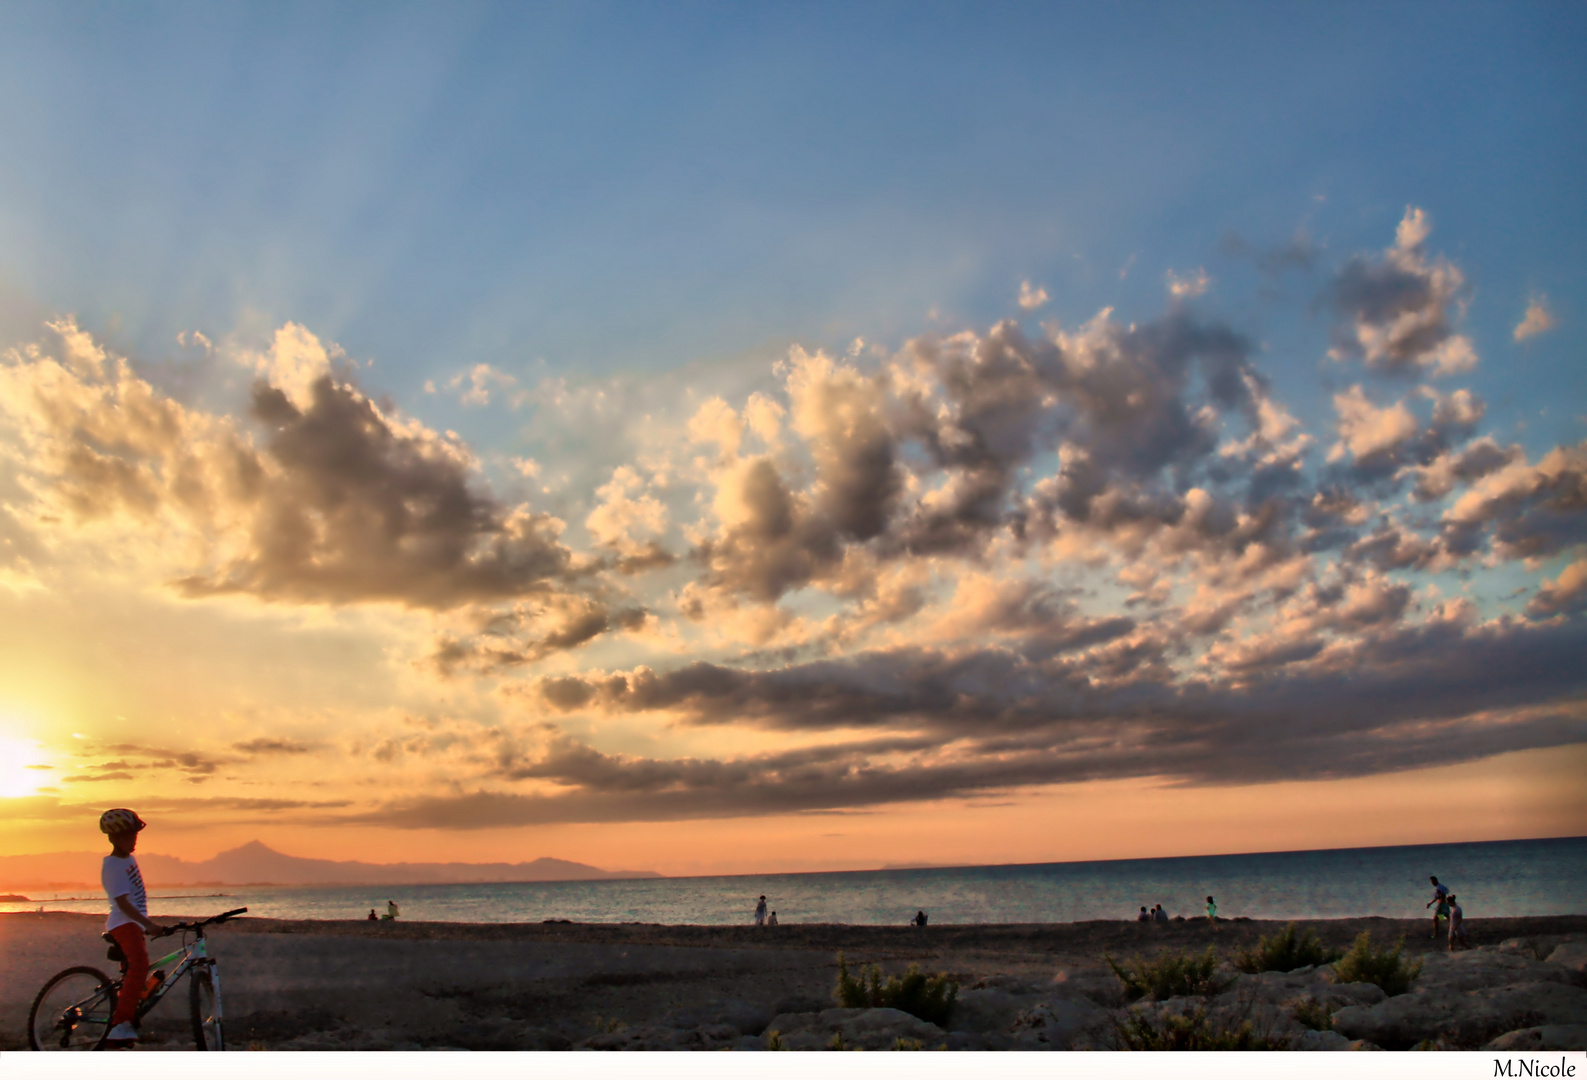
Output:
x,y
919,919
372,915
760,912
1160,913
1457,925
771,920
1143,916
1212,910
1441,898
392,911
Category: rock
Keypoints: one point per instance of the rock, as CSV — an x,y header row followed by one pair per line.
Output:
x,y
745,1017
660,1037
1572,956
1098,984
1322,1040
800,1003
1548,1037
989,1009
1056,1022
1464,1019
862,1029
1479,968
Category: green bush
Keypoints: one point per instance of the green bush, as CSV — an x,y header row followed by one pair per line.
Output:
x,y
1317,1015
1382,967
929,997
1170,975
1192,1032
1285,951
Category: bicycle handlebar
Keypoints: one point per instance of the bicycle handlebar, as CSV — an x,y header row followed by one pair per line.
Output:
x,y
174,928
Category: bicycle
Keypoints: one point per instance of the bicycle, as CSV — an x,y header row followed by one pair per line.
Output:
x,y
73,1010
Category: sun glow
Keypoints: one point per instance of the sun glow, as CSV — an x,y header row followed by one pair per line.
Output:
x,y
20,775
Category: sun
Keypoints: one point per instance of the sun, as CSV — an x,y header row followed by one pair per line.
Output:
x,y
17,780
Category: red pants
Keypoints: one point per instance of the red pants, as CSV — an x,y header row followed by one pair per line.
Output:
x,y
130,937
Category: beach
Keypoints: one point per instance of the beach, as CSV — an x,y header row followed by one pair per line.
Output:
x,y
321,984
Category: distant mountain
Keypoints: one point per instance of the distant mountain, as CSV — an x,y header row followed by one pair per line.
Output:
x,y
256,864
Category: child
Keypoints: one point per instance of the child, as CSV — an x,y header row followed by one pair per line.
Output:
x,y
1457,925
129,918
1212,911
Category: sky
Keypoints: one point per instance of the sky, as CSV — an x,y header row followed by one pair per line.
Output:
x,y
718,438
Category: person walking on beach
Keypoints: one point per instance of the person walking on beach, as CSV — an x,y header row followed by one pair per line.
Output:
x,y
129,919
1212,911
1457,925
1441,898
760,912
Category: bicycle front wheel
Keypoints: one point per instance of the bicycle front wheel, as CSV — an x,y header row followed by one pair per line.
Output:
x,y
73,1011
204,1004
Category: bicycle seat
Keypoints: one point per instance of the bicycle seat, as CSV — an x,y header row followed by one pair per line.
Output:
x,y
114,952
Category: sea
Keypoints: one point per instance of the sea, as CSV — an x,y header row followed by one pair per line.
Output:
x,y
1494,879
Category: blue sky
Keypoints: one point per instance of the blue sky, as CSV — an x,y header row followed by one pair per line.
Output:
x,y
620,187
599,272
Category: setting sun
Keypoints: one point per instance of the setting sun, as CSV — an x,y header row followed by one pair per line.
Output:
x,y
22,768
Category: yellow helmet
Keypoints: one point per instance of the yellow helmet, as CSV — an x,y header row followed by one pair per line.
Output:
x,y
120,820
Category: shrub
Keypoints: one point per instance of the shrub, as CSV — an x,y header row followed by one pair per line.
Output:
x,y
1285,951
1170,975
929,997
1387,969
1316,1015
1192,1032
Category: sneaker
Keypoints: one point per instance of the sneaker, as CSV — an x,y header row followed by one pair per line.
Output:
x,y
122,1035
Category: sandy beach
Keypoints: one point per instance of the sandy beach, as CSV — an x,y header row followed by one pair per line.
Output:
x,y
323,985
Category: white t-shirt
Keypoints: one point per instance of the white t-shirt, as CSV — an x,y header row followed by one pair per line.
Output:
x,y
121,877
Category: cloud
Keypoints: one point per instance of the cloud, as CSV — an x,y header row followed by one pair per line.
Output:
x,y
266,745
1397,311
1531,510
1566,594
354,505
295,361
1189,285
1434,693
1537,320
527,633
1031,298
478,382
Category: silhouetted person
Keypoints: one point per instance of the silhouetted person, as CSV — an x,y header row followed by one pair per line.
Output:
x,y
1441,898
1143,916
919,919
760,912
372,917
771,920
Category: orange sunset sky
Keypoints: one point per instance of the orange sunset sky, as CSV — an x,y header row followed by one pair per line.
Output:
x,y
715,445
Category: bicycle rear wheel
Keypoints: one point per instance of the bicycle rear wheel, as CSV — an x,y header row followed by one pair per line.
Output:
x,y
73,1011
204,1004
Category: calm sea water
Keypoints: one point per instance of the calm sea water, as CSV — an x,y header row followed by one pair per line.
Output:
x,y
1505,878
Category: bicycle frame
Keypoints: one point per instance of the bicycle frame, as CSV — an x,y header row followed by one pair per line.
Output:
x,y
194,954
